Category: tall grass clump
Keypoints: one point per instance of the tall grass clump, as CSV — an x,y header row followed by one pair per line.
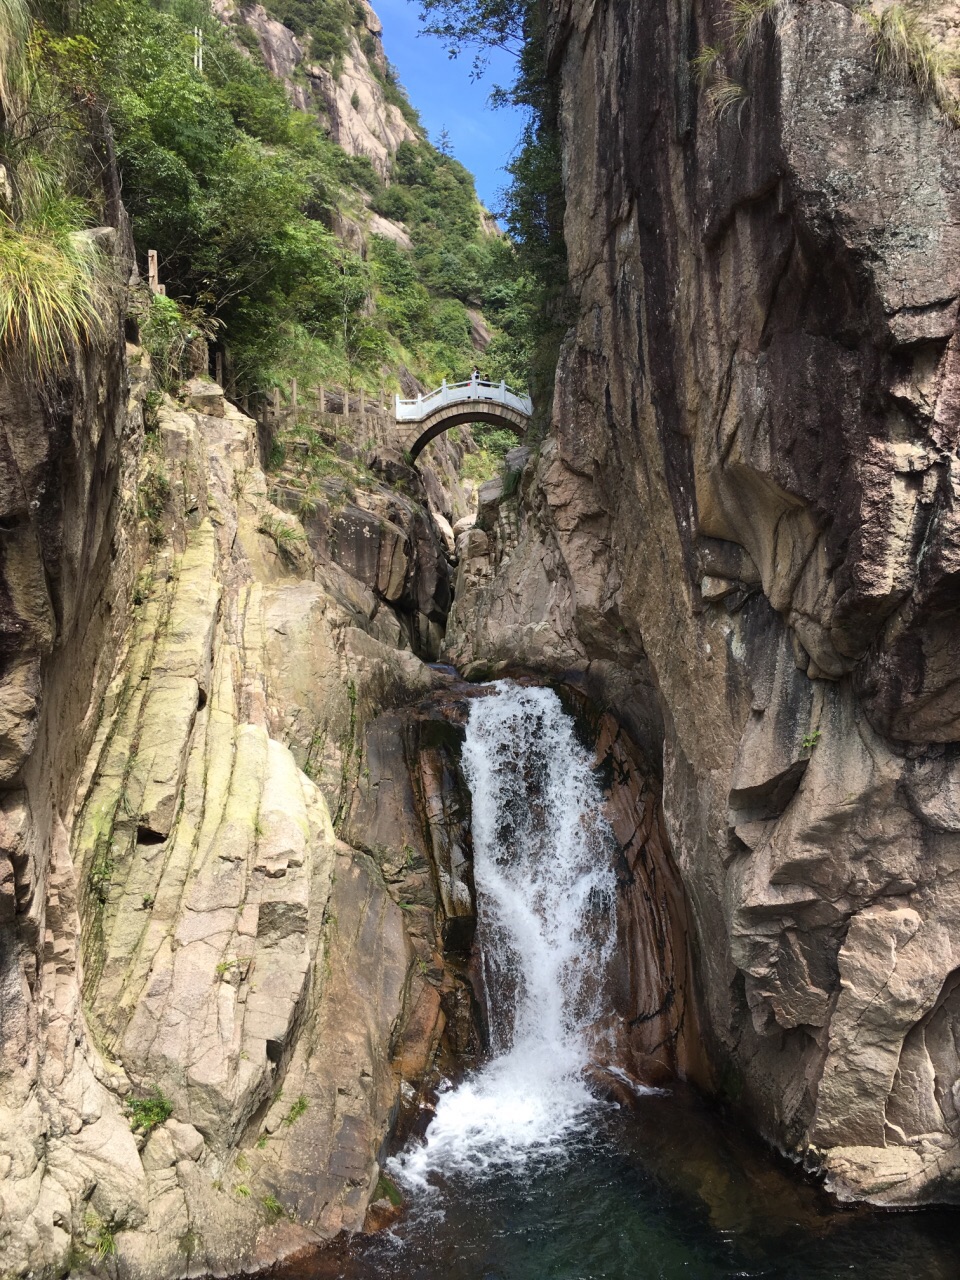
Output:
x,y
14,28
705,63
53,276
725,94
739,30
746,19
907,52
51,291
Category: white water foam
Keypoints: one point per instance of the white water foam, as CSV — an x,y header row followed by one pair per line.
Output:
x,y
546,928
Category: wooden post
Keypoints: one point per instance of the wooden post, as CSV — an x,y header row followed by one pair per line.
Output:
x,y
321,399
153,272
276,402
218,368
293,394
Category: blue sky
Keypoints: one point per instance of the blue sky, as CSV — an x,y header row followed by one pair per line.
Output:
x,y
441,90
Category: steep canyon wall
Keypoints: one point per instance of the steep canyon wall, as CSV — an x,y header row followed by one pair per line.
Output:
x,y
744,521
189,676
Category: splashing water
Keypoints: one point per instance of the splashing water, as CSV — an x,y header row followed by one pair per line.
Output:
x,y
546,928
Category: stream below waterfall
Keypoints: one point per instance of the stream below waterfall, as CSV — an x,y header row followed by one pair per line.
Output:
x,y
524,1172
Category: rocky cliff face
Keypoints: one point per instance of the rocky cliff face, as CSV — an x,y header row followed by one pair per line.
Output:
x,y
352,102
214,1009
744,524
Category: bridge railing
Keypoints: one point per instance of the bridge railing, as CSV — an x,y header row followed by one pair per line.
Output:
x,y
461,393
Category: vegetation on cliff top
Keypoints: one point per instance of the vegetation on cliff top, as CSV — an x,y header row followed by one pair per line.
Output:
x,y
240,195
907,51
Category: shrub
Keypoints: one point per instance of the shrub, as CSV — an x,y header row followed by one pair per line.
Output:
x,y
246,36
153,493
329,40
167,329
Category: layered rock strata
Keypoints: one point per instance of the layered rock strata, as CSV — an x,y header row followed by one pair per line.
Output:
x,y
748,502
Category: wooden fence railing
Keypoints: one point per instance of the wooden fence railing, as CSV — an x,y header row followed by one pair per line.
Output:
x,y
343,401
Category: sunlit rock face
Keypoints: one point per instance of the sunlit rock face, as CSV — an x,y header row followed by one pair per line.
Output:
x,y
188,680
352,102
748,504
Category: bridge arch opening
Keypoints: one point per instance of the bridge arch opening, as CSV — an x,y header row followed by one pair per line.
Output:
x,y
456,404
460,419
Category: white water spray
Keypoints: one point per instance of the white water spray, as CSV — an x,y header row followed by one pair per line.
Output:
x,y
546,927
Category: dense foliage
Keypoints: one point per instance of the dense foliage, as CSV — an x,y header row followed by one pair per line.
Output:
x,y
239,194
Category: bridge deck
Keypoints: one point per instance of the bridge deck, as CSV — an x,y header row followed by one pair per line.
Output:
x,y
456,393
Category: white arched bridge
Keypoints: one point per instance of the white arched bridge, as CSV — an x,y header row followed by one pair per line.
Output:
x,y
452,404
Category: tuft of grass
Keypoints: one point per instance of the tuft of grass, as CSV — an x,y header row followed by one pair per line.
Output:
x,y
908,53
102,1236
274,1208
147,1113
724,95
746,19
705,64
297,1110
278,455
285,536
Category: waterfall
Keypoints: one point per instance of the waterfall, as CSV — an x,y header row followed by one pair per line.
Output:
x,y
546,926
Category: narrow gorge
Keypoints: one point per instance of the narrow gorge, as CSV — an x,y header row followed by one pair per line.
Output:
x,y
525,846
